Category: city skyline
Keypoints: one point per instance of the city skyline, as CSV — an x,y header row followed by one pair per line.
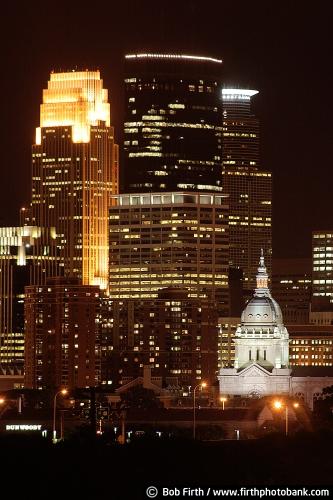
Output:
x,y
166,248
281,53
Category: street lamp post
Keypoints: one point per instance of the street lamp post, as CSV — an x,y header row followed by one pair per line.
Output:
x,y
223,401
63,392
202,384
2,405
278,405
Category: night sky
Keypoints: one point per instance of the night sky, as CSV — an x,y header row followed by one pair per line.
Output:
x,y
283,49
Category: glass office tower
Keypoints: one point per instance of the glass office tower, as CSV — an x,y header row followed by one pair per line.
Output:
x,y
173,123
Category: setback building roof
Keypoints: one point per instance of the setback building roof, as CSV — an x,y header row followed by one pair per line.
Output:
x,y
312,371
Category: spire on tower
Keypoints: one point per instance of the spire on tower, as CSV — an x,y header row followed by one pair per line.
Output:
x,y
262,276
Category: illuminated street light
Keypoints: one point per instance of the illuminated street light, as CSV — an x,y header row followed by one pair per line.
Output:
x,y
2,401
278,405
63,392
223,400
202,385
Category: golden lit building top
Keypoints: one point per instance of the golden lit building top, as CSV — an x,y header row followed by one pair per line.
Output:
x,y
77,99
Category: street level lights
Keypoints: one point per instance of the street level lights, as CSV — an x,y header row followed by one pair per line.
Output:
x,y
223,400
63,392
202,384
278,405
2,406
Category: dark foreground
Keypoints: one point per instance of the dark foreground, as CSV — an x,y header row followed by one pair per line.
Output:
x,y
82,468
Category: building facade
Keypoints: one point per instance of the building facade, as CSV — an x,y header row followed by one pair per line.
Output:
x,y
27,255
262,366
174,334
227,327
62,334
75,171
248,185
311,345
159,240
292,288
322,271
173,123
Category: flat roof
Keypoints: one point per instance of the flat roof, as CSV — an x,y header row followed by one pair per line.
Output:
x,y
314,330
169,198
238,93
149,55
312,371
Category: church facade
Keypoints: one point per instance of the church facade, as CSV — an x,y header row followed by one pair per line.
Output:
x,y
261,365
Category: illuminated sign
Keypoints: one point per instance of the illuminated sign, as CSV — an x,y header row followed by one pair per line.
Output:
x,y
24,427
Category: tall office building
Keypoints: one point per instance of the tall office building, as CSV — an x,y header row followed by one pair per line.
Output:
x,y
23,260
322,268
227,327
74,172
292,287
249,187
321,311
62,334
173,123
240,130
158,240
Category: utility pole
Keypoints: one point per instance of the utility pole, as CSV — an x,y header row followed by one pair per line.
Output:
x,y
19,404
93,423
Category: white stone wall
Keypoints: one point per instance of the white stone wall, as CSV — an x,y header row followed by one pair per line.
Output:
x,y
276,351
309,388
254,380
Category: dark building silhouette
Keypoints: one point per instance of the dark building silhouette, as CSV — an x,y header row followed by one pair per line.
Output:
x,y
61,334
173,333
291,286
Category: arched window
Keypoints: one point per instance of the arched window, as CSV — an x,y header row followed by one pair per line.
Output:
x,y
317,395
300,396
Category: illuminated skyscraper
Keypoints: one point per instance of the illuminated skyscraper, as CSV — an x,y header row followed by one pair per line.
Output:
x,y
240,130
74,172
173,123
249,187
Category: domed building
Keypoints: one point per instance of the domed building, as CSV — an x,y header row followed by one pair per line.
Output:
x,y
261,365
262,337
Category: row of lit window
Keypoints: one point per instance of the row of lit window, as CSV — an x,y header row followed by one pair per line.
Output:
x,y
160,123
